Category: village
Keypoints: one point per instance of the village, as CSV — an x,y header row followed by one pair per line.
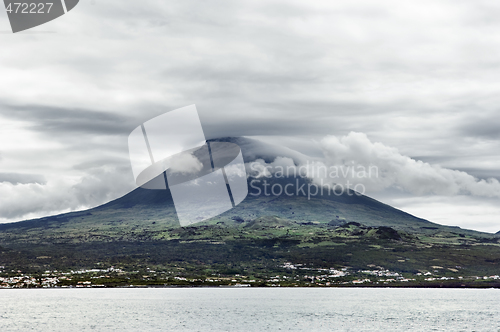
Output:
x,y
296,275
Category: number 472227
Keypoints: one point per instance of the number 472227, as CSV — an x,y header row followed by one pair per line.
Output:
x,y
29,8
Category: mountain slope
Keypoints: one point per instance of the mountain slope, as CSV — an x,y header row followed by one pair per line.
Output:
x,y
153,210
141,230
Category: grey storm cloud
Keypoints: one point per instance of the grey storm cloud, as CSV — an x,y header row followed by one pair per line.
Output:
x,y
56,120
486,126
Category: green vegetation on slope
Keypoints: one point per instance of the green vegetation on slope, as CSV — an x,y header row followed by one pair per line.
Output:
x,y
140,232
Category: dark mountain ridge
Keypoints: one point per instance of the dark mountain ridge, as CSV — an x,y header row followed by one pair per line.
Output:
x,y
141,231
145,206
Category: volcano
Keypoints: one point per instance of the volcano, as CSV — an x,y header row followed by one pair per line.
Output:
x,y
142,229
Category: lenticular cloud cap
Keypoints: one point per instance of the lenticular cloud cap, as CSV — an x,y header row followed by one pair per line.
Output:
x,y
170,152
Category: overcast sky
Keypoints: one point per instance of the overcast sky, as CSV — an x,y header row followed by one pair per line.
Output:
x,y
411,86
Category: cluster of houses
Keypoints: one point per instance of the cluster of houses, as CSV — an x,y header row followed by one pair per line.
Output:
x,y
310,275
383,275
26,281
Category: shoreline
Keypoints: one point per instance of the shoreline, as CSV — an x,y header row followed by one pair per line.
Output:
x,y
439,286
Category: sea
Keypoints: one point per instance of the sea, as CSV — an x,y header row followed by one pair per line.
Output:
x,y
250,309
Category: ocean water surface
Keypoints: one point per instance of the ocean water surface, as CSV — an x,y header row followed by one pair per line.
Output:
x,y
250,309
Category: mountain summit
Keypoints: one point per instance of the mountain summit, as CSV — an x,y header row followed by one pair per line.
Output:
x,y
154,209
263,233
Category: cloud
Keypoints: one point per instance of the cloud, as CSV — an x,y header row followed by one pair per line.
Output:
x,y
280,167
185,163
62,194
18,178
58,121
378,167
484,124
402,172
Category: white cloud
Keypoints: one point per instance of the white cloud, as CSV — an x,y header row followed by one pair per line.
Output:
x,y
280,167
62,193
185,163
377,167
401,172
